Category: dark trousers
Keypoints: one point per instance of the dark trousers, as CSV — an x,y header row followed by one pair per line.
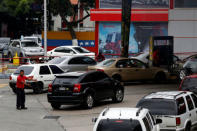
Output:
x,y
20,102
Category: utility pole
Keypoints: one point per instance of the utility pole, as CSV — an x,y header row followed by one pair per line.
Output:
x,y
45,27
125,28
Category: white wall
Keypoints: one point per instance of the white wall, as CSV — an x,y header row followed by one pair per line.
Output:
x,y
183,26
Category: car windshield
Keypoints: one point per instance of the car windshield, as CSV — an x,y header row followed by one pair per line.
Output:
x,y
106,63
57,60
189,83
159,106
81,50
119,125
27,70
32,39
29,44
192,63
66,80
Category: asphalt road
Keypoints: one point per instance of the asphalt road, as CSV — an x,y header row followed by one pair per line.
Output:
x,y
69,118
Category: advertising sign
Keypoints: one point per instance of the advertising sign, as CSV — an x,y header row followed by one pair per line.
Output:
x,y
112,4
140,33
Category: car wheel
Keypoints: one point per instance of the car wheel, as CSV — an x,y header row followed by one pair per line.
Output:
x,y
39,88
89,101
188,127
118,96
160,77
116,77
10,58
55,106
182,74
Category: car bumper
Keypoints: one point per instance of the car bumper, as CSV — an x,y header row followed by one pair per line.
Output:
x,y
67,100
32,85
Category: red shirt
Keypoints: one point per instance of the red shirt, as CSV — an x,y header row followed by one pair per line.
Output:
x,y
21,79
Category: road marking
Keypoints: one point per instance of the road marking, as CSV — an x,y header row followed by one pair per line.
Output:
x,y
3,85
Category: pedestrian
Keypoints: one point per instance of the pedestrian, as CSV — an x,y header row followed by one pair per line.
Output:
x,y
20,84
100,57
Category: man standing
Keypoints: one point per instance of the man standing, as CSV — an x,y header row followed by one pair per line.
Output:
x,y
20,104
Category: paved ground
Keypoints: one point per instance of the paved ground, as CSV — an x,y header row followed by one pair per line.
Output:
x,y
71,118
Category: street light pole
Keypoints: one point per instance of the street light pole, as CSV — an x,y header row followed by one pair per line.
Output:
x,y
45,27
125,27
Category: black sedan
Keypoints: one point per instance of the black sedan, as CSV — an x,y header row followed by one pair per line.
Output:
x,y
85,88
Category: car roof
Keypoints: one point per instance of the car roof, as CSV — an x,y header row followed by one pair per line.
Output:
x,y
124,113
79,73
165,95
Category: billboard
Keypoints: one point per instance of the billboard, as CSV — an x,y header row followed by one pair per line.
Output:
x,y
140,33
112,4
185,3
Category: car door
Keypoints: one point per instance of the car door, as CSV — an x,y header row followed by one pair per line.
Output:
x,y
45,75
192,111
194,98
77,64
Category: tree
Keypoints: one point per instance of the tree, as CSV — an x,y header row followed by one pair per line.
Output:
x,y
65,9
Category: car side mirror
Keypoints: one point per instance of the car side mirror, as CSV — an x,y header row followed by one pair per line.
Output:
x,y
94,119
158,121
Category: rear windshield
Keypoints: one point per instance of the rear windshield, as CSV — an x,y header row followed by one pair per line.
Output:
x,y
27,70
66,80
81,50
57,60
106,63
159,106
119,125
189,83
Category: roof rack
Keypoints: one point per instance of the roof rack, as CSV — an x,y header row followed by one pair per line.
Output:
x,y
106,110
138,111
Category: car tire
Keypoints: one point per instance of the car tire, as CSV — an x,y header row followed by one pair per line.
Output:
x,y
188,127
118,96
10,58
160,77
182,74
117,77
55,106
39,88
89,101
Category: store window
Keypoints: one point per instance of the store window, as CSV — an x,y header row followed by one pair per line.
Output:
x,y
185,3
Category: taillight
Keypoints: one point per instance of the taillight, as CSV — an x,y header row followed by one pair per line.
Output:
x,y
10,77
77,88
178,121
50,88
100,70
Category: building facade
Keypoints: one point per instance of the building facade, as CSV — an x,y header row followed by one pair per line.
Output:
x,y
176,18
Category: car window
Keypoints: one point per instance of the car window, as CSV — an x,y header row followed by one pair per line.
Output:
x,y
76,61
88,61
15,43
123,63
194,99
181,106
67,50
189,102
59,80
81,50
44,70
106,63
29,44
137,64
57,60
55,69
119,125
27,70
147,124
60,49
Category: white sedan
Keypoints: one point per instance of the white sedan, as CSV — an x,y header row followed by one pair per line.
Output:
x,y
70,51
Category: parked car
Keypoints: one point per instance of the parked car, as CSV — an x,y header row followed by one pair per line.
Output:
x,y
4,41
176,109
43,73
189,68
73,63
70,51
35,39
24,48
83,88
189,83
128,69
125,119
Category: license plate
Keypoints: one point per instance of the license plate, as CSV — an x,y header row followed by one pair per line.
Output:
x,y
62,88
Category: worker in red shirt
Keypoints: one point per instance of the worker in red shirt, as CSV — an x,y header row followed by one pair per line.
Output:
x,y
20,84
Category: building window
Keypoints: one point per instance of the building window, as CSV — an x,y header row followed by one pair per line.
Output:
x,y
185,3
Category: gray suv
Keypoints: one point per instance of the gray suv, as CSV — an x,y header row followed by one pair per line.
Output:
x,y
24,48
